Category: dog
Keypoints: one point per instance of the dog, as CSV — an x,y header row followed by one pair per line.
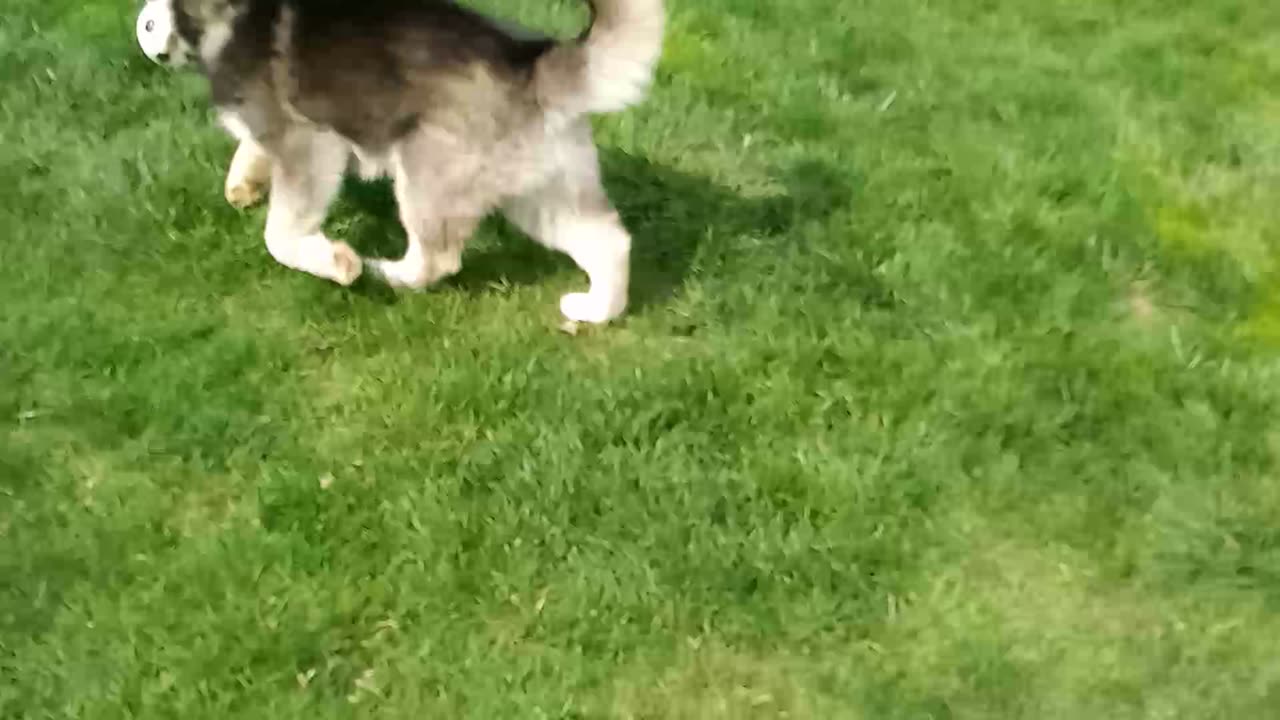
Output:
x,y
466,115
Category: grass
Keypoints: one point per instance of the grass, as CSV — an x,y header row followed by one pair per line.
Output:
x,y
950,391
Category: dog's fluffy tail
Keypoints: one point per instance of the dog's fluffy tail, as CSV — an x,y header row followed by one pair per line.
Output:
x,y
610,67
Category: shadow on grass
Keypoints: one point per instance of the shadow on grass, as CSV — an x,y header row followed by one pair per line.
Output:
x,y
673,217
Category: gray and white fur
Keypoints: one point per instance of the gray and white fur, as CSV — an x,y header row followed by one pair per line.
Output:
x,y
465,115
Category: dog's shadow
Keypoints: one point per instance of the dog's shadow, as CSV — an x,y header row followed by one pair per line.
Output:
x,y
672,216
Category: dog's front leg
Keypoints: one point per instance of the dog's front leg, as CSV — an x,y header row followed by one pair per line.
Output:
x,y
250,175
307,169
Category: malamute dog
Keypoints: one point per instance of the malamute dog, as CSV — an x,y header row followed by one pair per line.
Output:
x,y
465,115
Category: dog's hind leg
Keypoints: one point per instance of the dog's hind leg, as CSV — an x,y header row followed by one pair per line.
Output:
x,y
440,207
306,175
571,213
434,251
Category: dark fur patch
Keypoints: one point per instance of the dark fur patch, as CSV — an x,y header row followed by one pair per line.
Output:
x,y
369,69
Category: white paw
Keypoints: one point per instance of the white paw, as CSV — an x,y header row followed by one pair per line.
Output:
x,y
346,264
418,270
395,274
588,308
243,195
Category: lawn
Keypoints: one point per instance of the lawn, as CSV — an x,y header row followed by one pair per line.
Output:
x,y
949,390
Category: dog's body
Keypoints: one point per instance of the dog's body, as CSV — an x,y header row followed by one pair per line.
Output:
x,y
463,114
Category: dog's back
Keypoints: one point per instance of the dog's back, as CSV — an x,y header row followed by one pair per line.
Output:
x,y
373,69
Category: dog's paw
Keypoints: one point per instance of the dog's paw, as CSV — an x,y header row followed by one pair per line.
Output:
x,y
446,263
588,308
244,194
418,270
347,265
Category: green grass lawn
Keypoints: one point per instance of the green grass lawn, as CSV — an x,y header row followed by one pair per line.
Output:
x,y
949,390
